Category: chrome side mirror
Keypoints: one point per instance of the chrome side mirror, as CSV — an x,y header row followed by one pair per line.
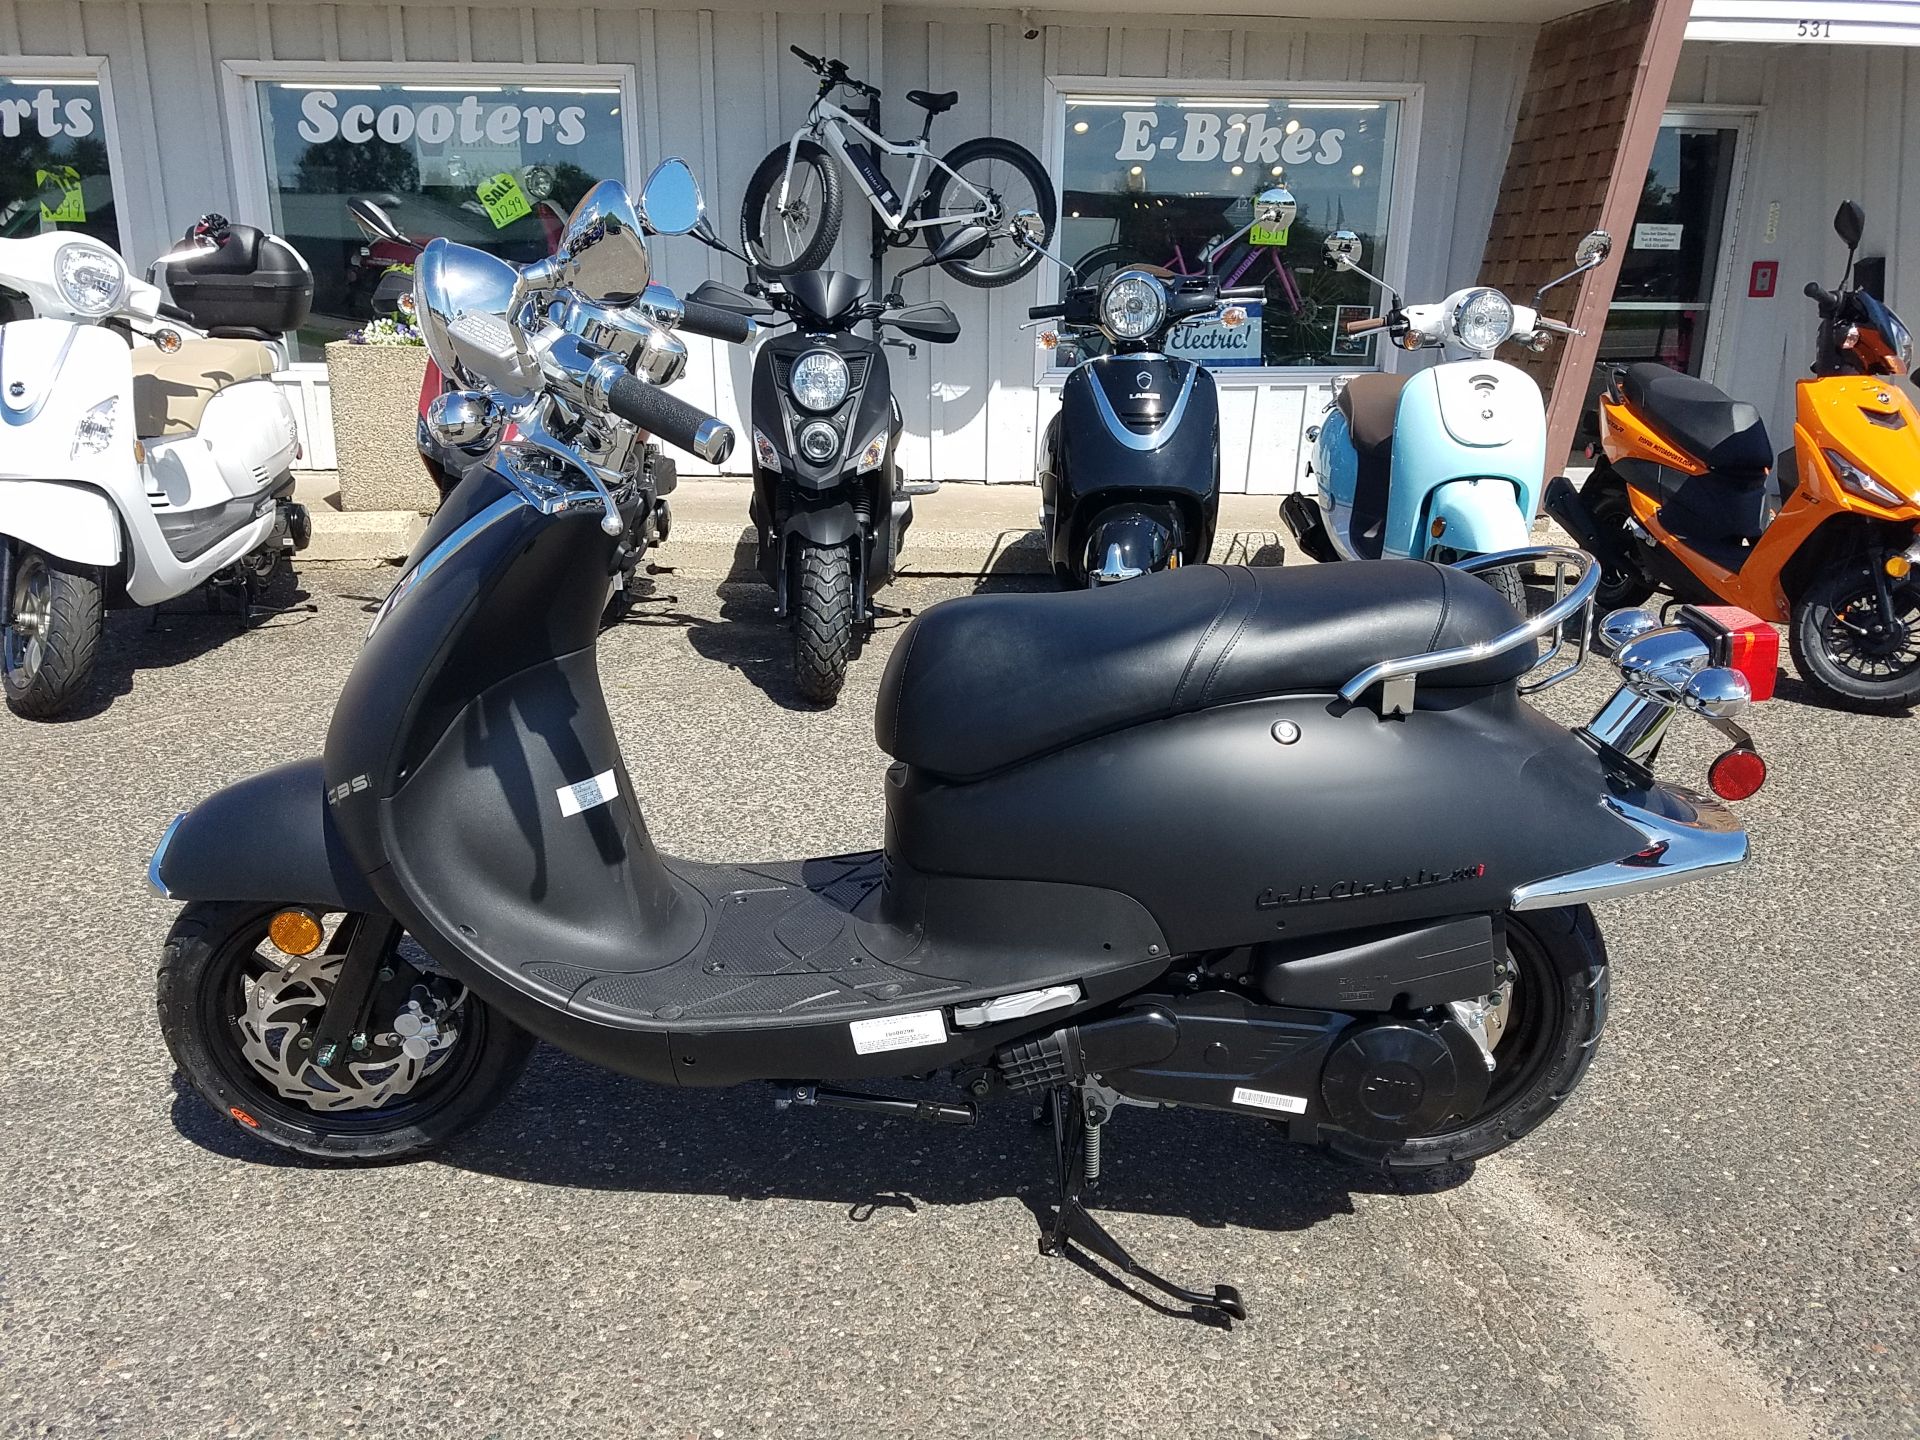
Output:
x,y
602,254
1275,207
1594,247
1343,250
670,202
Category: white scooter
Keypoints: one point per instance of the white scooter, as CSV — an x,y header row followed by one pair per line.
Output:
x,y
137,465
1446,463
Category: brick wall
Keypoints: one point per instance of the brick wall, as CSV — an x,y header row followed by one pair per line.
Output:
x,y
1581,145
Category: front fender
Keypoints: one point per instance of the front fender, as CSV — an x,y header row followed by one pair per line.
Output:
x,y
829,525
1482,517
270,837
67,521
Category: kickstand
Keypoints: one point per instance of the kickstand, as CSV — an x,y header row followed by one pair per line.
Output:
x,y
1076,1153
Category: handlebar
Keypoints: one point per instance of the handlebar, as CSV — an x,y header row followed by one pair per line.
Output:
x,y
715,323
670,418
1046,312
814,60
1362,326
1245,292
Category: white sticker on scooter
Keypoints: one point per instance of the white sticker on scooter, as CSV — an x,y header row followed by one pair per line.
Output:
x,y
588,793
898,1032
1269,1100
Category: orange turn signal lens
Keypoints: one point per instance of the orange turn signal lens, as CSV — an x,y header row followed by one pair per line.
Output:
x,y
1899,566
1049,339
295,932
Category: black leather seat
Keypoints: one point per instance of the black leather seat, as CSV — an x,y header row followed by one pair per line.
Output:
x,y
980,683
1703,420
934,104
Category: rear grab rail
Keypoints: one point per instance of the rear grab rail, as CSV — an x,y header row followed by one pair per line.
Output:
x,y
1396,678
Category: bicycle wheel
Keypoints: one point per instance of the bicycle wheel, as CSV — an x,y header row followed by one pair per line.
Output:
x,y
1103,262
1005,180
784,238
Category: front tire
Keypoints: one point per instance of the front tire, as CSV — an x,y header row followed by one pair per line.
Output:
x,y
1013,180
51,634
825,633
1555,1012
785,240
1835,645
216,950
1620,588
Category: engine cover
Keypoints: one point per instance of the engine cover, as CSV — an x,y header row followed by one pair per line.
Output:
x,y
1391,1079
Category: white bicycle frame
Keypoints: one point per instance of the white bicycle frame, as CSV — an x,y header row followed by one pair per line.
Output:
x,y
828,122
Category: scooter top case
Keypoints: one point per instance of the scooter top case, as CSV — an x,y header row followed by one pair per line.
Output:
x,y
1143,427
1091,785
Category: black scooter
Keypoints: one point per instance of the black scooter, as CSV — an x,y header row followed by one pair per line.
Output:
x,y
1220,838
1130,464
830,506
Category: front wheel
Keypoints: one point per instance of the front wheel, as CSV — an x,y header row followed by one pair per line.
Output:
x,y
240,1017
789,230
825,631
1622,586
1001,186
1842,642
51,632
1544,1029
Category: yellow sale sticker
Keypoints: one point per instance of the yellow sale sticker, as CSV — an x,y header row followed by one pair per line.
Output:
x,y
505,201
71,208
1267,234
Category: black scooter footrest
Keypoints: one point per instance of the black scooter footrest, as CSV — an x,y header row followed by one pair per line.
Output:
x,y
1037,1064
1137,1037
920,487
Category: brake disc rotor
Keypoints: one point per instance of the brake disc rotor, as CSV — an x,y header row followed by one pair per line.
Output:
x,y
401,1049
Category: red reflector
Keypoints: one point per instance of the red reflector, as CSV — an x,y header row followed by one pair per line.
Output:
x,y
1753,647
1737,774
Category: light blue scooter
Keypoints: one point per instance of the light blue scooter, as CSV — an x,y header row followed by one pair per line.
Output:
x,y
1445,463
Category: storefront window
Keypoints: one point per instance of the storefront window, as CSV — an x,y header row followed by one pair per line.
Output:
x,y
54,170
497,167
1172,181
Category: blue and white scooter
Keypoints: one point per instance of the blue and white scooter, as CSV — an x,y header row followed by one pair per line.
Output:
x,y
1445,463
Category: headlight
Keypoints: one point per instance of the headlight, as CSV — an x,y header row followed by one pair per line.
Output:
x,y
1483,319
819,380
95,430
1132,306
1852,478
91,278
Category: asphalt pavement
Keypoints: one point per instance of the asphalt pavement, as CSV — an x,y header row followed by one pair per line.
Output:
x,y
1716,1238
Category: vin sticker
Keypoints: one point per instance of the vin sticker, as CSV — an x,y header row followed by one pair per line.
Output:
x,y
900,1032
588,793
1269,1100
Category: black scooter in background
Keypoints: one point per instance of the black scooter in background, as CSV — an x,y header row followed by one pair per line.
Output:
x,y
830,507
1130,465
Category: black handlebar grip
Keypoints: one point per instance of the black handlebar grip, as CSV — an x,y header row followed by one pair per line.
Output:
x,y
1046,312
699,318
1813,291
813,60
670,418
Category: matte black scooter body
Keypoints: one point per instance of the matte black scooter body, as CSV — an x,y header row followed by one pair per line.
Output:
x,y
1135,433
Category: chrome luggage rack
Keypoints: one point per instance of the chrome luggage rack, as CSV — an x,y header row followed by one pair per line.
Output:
x,y
1396,678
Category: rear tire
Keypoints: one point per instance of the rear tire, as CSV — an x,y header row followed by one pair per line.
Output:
x,y
1005,259
1558,1010
824,629
1609,509
814,197
52,633
1830,655
207,950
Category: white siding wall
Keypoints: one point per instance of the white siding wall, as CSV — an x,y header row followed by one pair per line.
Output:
x,y
1834,123
717,86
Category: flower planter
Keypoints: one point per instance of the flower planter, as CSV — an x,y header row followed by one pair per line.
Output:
x,y
375,391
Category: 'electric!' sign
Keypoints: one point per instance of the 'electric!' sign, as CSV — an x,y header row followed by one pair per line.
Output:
x,y
1207,135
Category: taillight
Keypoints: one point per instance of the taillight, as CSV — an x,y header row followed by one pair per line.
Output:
x,y
1738,773
1741,641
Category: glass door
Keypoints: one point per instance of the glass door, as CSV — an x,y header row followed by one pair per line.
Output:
x,y
1663,304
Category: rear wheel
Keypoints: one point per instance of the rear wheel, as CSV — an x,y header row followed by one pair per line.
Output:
x,y
1018,197
51,633
797,232
239,1018
825,633
1841,642
1544,1031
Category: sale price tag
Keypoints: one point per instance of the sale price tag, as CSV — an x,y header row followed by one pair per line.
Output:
x,y
71,207
503,198
1267,234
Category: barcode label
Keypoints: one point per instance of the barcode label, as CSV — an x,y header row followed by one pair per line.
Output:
x,y
588,793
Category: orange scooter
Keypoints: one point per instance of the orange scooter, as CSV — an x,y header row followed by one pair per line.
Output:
x,y
1687,496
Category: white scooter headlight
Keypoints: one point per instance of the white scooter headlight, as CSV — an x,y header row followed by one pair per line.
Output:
x,y
92,279
95,430
1132,306
819,380
1483,319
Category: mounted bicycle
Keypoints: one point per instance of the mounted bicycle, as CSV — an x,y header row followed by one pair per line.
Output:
x,y
790,217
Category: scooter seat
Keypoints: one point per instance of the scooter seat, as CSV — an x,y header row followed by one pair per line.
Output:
x,y
171,392
984,682
1720,432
